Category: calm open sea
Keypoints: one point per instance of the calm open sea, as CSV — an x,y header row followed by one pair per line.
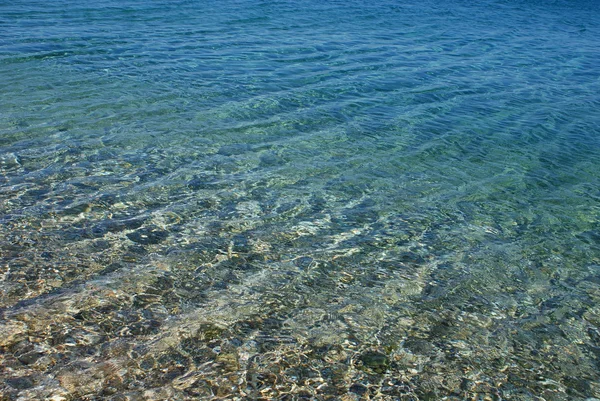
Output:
x,y
327,200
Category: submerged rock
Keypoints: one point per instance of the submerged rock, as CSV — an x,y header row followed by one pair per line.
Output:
x,y
270,159
375,361
20,383
150,235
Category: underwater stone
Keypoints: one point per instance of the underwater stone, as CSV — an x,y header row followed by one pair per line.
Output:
x,y
144,328
317,203
11,331
150,235
74,210
9,160
359,389
228,360
411,258
270,159
36,193
419,346
375,360
30,357
142,300
136,249
100,245
120,225
202,182
209,332
20,383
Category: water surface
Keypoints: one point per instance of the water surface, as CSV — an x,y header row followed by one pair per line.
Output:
x,y
300,200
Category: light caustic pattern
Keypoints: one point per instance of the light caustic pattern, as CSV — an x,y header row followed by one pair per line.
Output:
x,y
299,200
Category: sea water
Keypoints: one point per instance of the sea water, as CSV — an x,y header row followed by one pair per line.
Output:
x,y
329,200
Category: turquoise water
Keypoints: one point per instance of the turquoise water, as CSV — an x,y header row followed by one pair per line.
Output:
x,y
300,200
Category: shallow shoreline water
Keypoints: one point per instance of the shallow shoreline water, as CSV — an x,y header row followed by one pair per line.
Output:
x,y
276,200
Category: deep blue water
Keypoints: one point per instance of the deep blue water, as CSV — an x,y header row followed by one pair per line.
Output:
x,y
285,200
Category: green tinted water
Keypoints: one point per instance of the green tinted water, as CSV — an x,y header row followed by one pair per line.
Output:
x,y
281,201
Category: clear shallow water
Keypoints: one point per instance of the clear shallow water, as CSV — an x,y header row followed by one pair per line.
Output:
x,y
326,200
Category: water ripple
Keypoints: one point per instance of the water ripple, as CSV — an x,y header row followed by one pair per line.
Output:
x,y
233,199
